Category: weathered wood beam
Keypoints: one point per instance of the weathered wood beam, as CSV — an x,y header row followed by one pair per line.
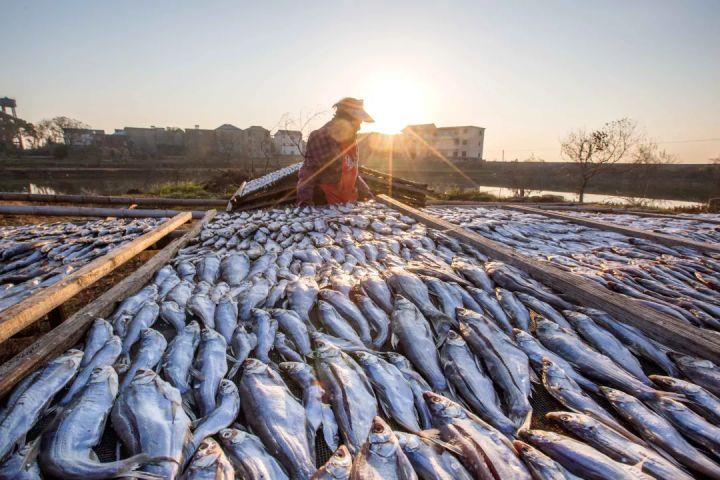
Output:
x,y
73,329
667,330
669,240
50,211
639,213
28,311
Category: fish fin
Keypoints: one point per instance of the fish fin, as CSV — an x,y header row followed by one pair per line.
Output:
x,y
678,397
433,436
534,378
32,452
394,340
189,409
528,420
197,374
233,371
138,474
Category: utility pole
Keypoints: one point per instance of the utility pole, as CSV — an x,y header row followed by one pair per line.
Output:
x,y
503,155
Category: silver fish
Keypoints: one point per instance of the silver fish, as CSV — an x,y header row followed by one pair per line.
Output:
x,y
429,461
617,446
148,418
392,392
211,367
338,466
660,433
249,457
226,317
98,335
150,352
468,378
36,397
209,463
224,414
107,355
351,395
178,358
173,315
279,419
580,459
67,447
381,457
412,333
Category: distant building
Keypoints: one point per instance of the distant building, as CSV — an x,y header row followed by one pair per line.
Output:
x,y
289,142
200,142
454,143
11,126
83,137
258,143
155,140
230,140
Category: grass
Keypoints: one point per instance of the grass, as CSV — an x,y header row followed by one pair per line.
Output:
x,y
179,189
460,194
476,196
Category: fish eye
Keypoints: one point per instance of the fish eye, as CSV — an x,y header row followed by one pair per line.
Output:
x,y
378,428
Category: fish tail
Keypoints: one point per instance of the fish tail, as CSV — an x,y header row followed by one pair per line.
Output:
x,y
433,436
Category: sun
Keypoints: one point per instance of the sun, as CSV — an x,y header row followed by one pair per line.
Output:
x,y
394,102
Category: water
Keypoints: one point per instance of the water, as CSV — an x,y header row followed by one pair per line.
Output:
x,y
504,192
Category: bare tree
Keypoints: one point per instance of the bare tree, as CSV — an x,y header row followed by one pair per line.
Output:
x,y
715,170
592,152
51,130
647,161
230,144
302,123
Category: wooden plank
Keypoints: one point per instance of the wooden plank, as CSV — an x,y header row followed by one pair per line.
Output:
x,y
92,212
639,213
669,240
28,311
394,178
73,329
665,329
111,200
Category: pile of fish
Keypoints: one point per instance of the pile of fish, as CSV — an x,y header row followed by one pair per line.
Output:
x,y
282,333
267,181
678,281
36,256
693,230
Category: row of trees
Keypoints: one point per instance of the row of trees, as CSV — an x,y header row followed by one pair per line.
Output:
x,y
618,141
45,133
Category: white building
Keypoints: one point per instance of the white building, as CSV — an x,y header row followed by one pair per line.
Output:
x,y
453,143
289,142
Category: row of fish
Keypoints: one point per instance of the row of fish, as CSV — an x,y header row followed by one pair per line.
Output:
x,y
699,231
354,328
37,256
678,281
266,181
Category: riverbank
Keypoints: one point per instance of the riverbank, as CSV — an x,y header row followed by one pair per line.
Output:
x,y
689,183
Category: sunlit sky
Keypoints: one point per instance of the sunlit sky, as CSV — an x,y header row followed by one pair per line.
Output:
x,y
527,71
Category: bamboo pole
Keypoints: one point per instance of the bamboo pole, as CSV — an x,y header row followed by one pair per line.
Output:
x,y
660,327
51,211
111,200
72,330
28,311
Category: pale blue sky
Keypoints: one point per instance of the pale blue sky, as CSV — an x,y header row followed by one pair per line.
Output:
x,y
528,71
